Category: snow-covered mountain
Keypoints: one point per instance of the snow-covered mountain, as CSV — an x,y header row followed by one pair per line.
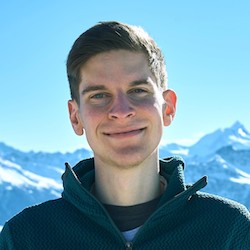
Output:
x,y
31,178
224,156
236,136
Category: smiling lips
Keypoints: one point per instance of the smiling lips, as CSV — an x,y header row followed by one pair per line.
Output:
x,y
125,133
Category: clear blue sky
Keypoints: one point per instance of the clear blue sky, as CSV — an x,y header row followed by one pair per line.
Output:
x,y
206,45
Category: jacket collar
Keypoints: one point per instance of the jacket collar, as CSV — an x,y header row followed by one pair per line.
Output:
x,y
78,181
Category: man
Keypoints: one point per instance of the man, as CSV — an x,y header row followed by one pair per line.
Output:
x,y
125,197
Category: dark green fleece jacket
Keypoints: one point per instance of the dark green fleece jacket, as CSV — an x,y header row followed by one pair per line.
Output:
x,y
185,218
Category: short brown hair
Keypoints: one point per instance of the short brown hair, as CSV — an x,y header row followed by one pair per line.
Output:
x,y
107,36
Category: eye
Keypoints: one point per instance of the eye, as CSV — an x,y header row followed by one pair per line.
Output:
x,y
99,96
99,99
139,91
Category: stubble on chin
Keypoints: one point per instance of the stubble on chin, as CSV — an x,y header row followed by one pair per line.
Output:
x,y
127,157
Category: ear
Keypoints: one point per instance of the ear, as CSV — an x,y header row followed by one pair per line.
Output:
x,y
169,107
74,117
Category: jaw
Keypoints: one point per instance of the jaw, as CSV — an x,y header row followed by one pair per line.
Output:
x,y
127,156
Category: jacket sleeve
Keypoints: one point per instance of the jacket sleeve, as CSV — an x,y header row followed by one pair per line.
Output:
x,y
6,242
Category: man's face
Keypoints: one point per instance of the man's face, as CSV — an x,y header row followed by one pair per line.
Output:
x,y
120,109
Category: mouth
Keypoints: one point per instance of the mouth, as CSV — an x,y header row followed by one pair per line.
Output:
x,y
126,133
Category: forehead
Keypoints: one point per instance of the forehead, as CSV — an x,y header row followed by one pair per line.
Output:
x,y
116,65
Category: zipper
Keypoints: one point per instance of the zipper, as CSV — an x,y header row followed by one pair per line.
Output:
x,y
129,246
188,192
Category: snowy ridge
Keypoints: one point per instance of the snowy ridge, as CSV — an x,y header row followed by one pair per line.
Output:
x,y
224,156
14,175
236,136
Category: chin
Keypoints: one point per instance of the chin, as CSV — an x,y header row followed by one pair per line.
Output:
x,y
127,160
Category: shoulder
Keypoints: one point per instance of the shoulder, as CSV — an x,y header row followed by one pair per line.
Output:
x,y
37,213
227,219
28,222
221,208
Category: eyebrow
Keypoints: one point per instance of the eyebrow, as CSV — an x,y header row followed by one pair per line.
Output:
x,y
140,82
102,87
93,88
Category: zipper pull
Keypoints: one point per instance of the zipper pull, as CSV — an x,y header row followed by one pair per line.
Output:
x,y
129,246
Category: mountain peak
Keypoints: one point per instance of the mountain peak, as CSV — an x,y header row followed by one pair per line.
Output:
x,y
238,126
236,136
237,130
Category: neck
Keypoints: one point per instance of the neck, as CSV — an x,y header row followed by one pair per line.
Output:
x,y
127,186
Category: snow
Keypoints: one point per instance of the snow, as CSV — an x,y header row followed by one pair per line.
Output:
x,y
10,164
14,175
239,142
244,178
236,136
180,152
42,182
242,132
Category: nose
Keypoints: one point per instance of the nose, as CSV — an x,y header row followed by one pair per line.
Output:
x,y
121,108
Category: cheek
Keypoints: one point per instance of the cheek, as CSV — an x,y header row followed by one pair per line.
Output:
x,y
156,109
152,108
151,102
157,112
91,117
